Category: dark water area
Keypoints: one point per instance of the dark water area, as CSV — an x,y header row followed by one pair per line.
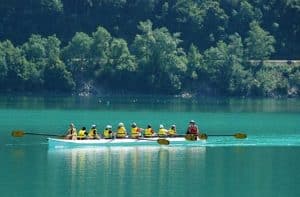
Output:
x,y
161,103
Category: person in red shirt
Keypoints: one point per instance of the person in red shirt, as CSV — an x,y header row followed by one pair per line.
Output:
x,y
192,128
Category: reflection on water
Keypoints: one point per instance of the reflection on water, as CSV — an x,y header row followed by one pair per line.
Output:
x,y
162,103
132,170
170,171
150,171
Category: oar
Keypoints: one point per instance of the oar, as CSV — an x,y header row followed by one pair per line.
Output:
x,y
236,135
20,133
191,137
160,141
204,136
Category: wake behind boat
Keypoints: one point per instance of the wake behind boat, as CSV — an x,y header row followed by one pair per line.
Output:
x,y
178,141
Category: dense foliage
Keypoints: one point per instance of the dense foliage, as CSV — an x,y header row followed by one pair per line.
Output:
x,y
206,47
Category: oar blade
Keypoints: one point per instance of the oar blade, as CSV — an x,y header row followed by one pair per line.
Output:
x,y
17,133
203,136
240,135
163,141
190,137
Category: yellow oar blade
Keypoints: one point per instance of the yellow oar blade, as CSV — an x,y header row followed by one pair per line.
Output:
x,y
203,136
190,137
17,133
163,141
240,135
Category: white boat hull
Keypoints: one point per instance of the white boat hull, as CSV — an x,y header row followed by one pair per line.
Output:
x,y
64,143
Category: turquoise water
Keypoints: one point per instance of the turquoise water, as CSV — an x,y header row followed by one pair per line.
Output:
x,y
267,163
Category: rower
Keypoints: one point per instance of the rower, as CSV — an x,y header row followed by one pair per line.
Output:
x,y
107,133
162,132
93,134
135,131
71,133
192,131
82,134
149,132
172,131
121,131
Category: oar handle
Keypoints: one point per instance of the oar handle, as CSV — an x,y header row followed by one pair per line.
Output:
x,y
236,135
204,136
44,134
20,133
160,141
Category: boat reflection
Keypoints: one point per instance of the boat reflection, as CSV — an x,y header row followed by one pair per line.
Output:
x,y
133,170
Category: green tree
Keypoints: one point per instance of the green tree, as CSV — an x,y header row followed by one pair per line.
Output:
x,y
56,75
224,68
57,78
34,48
100,47
121,57
17,73
196,68
3,65
162,62
270,82
215,21
77,54
218,67
41,55
52,5
35,52
15,62
259,43
242,14
240,80
195,62
294,81
194,19
119,69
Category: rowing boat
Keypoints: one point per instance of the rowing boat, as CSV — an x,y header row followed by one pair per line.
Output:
x,y
179,140
176,141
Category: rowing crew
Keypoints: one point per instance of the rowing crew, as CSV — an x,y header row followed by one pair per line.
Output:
x,y
121,132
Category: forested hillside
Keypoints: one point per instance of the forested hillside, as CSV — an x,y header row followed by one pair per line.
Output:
x,y
203,47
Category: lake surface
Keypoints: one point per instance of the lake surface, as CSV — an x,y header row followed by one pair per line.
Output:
x,y
267,163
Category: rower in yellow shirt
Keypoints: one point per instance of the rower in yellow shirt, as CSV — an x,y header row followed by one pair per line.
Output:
x,y
135,131
172,131
93,134
82,134
149,132
162,132
121,131
107,133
